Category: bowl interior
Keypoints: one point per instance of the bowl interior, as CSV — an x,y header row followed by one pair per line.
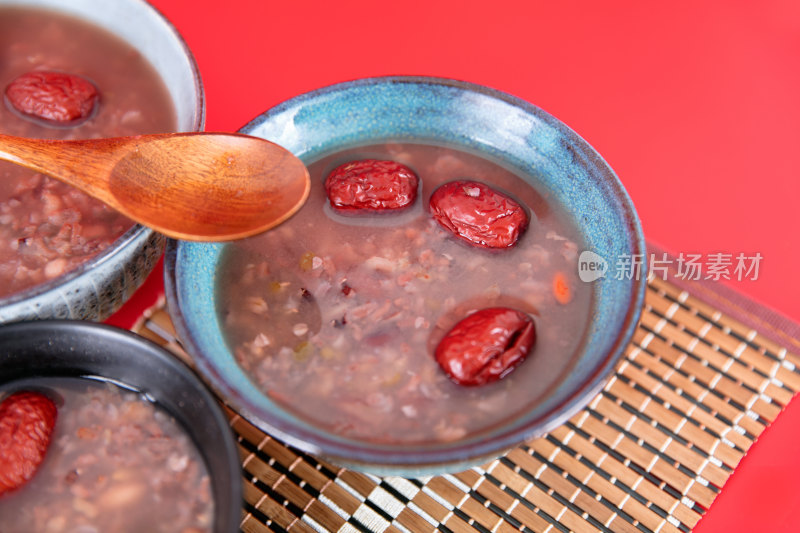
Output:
x,y
473,118
138,23
80,349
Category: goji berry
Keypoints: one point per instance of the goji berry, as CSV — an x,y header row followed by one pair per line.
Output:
x,y
561,288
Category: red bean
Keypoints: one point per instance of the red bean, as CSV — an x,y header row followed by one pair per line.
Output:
x,y
478,214
26,426
486,345
371,185
56,97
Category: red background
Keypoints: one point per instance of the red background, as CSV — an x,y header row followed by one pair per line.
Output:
x,y
695,105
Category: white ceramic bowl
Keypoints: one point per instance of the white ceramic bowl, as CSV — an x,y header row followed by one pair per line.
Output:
x,y
98,287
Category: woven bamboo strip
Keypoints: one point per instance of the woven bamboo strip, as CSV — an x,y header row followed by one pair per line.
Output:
x,y
700,307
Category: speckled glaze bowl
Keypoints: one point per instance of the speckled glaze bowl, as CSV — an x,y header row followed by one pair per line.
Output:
x,y
78,349
97,288
457,114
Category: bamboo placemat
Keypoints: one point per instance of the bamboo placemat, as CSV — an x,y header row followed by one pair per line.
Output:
x,y
648,454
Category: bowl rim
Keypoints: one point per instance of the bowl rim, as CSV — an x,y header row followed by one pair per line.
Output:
x,y
154,356
137,232
446,458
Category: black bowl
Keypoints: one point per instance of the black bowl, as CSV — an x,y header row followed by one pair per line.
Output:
x,y
66,348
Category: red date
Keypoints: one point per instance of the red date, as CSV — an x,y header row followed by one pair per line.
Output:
x,y
371,185
486,345
26,426
54,97
478,214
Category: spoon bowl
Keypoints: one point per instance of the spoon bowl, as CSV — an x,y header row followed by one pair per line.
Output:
x,y
196,186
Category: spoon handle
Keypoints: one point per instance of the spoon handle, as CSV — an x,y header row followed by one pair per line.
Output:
x,y
69,161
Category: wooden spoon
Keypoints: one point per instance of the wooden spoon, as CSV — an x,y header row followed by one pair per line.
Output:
x,y
191,186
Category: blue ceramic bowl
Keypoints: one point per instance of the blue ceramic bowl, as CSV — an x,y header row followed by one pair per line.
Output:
x,y
463,115
95,289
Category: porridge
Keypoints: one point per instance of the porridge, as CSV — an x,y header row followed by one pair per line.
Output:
x,y
115,462
337,316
